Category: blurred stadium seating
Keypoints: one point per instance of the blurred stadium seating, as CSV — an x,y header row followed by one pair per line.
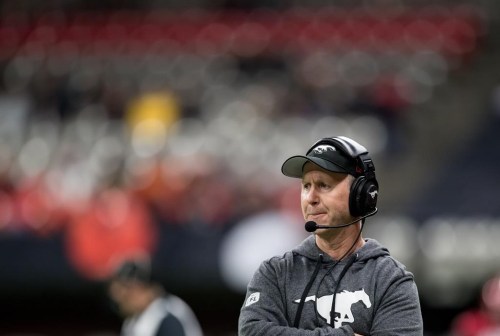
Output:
x,y
160,128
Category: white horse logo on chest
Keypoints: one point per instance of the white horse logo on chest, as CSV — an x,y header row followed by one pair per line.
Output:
x,y
343,302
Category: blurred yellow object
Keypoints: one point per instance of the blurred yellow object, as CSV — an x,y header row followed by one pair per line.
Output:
x,y
149,118
151,111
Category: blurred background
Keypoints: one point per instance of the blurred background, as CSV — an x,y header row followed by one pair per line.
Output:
x,y
159,127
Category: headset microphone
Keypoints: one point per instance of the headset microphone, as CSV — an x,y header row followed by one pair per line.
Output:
x,y
311,226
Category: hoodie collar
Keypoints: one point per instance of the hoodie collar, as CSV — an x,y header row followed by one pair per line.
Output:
x,y
370,250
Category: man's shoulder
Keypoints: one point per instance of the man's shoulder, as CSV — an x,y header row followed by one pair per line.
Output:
x,y
170,325
391,266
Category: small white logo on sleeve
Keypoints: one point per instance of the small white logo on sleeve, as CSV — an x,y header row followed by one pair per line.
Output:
x,y
254,297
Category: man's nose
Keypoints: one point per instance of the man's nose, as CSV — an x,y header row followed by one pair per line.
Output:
x,y
312,196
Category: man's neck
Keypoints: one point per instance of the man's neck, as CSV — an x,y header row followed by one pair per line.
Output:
x,y
341,243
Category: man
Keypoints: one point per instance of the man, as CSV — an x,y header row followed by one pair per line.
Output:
x,y
147,308
335,282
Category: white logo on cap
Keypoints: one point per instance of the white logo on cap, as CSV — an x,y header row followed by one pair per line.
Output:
x,y
323,148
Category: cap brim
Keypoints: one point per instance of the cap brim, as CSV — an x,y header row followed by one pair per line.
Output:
x,y
294,166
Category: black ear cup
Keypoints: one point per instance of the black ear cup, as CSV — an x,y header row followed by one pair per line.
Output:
x,y
363,196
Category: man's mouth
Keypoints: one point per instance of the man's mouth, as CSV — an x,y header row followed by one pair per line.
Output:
x,y
315,216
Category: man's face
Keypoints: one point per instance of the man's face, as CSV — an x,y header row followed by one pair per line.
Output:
x,y
325,196
128,295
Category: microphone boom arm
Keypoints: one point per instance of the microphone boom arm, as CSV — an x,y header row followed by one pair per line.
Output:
x,y
311,226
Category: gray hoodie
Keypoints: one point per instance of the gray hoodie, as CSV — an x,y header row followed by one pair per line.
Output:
x,y
374,296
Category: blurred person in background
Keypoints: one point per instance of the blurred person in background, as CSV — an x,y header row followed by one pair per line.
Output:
x,y
485,319
147,308
335,282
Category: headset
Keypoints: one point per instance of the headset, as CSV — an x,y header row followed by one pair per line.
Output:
x,y
364,189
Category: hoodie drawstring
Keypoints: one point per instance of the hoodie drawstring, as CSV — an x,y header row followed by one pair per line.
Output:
x,y
316,270
344,271
306,291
